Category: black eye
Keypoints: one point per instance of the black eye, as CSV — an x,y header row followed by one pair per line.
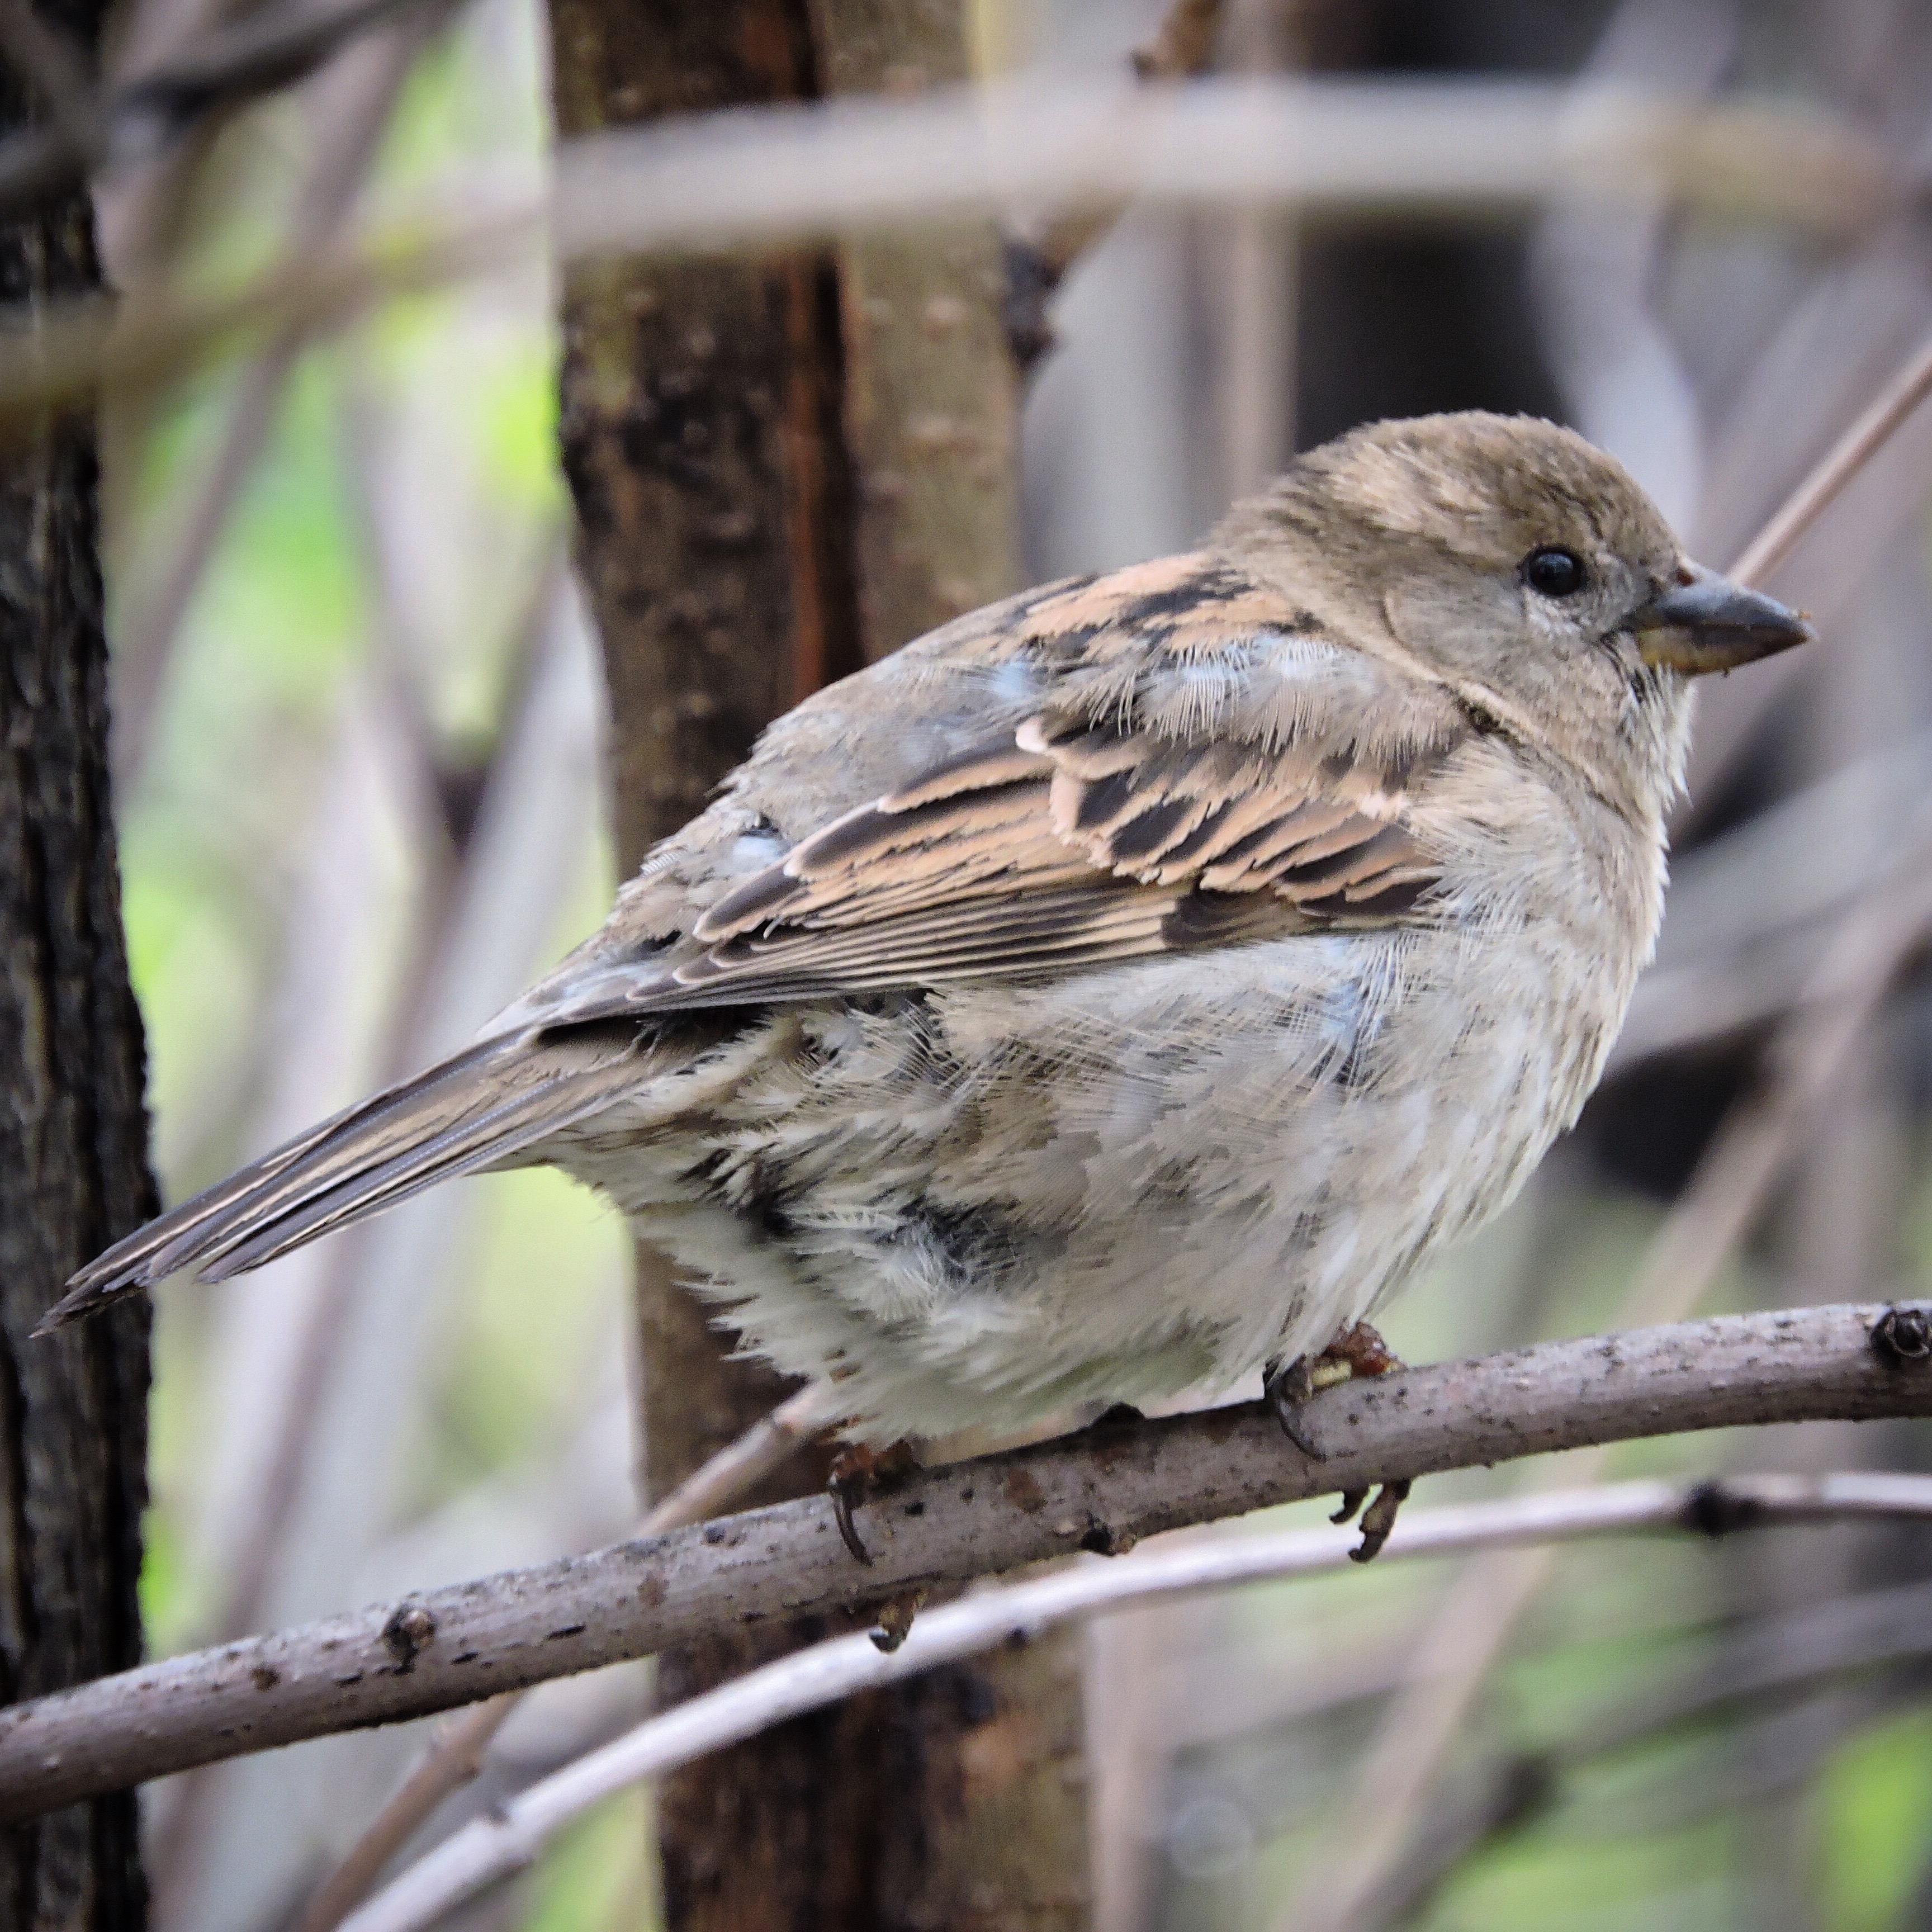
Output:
x,y
1554,573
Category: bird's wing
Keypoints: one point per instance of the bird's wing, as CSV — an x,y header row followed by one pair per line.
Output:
x,y
1126,817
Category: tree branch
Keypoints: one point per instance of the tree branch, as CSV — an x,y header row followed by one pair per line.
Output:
x,y
1102,1489
457,1756
492,1848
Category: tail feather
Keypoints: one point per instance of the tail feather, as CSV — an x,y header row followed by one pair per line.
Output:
x,y
482,1108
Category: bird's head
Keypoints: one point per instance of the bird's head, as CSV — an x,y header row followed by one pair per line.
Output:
x,y
1509,559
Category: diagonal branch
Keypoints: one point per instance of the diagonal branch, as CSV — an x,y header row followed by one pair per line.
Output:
x,y
1103,1490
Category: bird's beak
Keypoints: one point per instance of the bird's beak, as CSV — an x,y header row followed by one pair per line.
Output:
x,y
1709,623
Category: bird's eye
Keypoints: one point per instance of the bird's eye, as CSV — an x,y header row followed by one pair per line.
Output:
x,y
1554,573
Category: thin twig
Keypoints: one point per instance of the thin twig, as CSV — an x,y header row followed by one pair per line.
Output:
x,y
457,1754
348,135
1856,448
1037,262
492,1848
1102,1489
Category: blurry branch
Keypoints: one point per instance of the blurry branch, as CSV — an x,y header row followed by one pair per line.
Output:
x,y
492,1848
1183,43
1337,149
456,1755
1038,256
755,177
1769,1660
1733,1181
453,875
1102,1489
152,340
1780,536
349,127
141,118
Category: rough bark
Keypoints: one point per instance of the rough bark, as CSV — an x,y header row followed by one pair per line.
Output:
x,y
73,1135
930,398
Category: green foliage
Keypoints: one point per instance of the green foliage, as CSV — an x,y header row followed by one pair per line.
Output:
x,y
1873,1825
594,1880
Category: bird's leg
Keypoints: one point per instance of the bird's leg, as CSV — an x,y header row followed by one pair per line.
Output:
x,y
857,1471
1356,1354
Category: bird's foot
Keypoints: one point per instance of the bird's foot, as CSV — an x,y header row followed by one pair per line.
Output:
x,y
1378,1519
1356,1354
857,1471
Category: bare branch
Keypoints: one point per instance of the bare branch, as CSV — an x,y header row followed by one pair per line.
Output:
x,y
1847,456
457,1755
1103,1490
494,1847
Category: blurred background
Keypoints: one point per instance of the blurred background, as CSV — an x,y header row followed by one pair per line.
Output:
x,y
360,719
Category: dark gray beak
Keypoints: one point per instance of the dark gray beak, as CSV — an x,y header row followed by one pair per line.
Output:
x,y
1709,623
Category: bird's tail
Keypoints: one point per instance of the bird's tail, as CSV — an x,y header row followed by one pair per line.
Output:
x,y
481,1108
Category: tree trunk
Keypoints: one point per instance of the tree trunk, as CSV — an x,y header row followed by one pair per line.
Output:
x,y
73,1135
783,470
700,435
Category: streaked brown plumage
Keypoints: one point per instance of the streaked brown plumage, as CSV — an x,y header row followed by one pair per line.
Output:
x,y
1130,981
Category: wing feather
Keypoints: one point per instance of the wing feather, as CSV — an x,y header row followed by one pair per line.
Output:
x,y
1068,843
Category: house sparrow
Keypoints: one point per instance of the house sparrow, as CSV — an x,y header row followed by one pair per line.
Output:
x,y
1126,984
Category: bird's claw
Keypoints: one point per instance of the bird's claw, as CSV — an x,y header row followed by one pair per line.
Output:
x,y
1378,1519
858,1472
848,1485
1356,1354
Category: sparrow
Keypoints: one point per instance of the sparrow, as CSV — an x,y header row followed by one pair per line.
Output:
x,y
1125,986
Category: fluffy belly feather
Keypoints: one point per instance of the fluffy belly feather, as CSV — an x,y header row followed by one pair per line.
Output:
x,y
978,1207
